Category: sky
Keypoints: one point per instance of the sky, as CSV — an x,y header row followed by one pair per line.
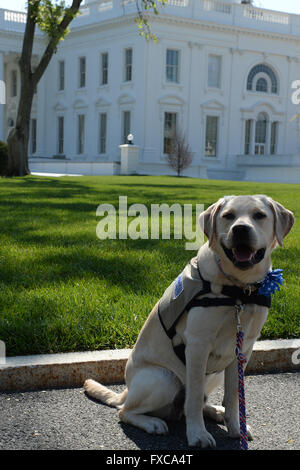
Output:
x,y
289,6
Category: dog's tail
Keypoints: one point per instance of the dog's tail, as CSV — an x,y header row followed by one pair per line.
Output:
x,y
104,394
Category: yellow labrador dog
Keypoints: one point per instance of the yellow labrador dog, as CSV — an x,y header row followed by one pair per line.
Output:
x,y
242,231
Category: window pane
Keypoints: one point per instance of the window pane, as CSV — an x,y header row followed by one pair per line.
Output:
x,y
247,136
169,131
33,135
261,130
104,68
80,142
82,68
172,66
61,75
60,134
128,65
103,125
126,125
262,85
211,136
214,71
274,127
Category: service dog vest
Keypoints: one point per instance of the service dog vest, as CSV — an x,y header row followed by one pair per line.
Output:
x,y
188,290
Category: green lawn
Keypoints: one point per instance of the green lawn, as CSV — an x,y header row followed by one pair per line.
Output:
x,y
62,289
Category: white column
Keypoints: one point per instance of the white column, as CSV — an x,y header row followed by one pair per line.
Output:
x,y
2,95
268,138
252,137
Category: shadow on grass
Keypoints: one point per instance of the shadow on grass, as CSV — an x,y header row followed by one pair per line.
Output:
x,y
79,262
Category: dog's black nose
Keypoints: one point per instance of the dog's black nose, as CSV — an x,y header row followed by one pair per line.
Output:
x,y
241,229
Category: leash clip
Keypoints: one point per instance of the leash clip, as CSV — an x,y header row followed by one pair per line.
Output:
x,y
247,290
238,310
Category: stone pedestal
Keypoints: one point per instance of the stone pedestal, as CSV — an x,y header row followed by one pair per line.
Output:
x,y
129,159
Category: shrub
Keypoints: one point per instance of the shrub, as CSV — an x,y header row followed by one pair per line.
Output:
x,y
3,157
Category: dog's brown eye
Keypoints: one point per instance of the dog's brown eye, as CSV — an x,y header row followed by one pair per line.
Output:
x,y
259,215
229,216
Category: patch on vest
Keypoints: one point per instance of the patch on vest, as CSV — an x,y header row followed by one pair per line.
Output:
x,y
178,286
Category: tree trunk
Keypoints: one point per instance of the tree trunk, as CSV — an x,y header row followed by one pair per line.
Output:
x,y
17,142
18,139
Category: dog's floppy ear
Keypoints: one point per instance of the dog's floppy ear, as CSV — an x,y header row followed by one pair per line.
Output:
x,y
283,220
207,220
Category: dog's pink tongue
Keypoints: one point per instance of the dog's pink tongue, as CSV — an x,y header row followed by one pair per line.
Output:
x,y
243,253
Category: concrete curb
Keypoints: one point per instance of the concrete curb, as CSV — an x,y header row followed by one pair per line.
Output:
x,y
71,369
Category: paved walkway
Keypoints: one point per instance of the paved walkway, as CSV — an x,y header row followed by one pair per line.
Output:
x,y
68,419
39,173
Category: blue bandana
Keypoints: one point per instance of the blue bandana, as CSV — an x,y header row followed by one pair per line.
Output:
x,y
271,283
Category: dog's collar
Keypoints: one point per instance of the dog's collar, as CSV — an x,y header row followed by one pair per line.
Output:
x,y
267,286
247,288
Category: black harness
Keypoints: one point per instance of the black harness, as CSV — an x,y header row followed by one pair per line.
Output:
x,y
234,296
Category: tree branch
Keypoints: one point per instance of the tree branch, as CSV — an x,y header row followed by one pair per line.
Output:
x,y
51,47
25,59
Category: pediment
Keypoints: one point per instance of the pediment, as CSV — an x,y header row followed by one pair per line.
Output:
x,y
126,99
213,104
78,104
59,106
171,99
262,106
101,103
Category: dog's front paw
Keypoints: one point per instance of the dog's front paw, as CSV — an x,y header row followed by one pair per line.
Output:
x,y
234,432
198,437
156,426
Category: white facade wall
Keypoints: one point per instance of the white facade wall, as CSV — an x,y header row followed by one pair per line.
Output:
x,y
243,37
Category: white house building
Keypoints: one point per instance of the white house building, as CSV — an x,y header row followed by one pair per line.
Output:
x,y
221,71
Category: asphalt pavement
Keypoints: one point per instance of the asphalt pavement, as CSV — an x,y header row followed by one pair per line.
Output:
x,y
67,419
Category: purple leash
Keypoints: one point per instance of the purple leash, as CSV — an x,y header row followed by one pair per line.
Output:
x,y
241,361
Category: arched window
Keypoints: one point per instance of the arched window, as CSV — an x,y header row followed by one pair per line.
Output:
x,y
262,82
262,85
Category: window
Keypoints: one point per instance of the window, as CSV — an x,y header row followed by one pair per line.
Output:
x,y
214,71
61,75
14,83
104,69
61,125
260,134
169,131
274,127
80,135
102,132
262,85
172,66
126,125
268,72
128,65
82,72
211,136
33,135
247,136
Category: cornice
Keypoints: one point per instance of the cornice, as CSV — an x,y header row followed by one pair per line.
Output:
x,y
164,18
222,27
